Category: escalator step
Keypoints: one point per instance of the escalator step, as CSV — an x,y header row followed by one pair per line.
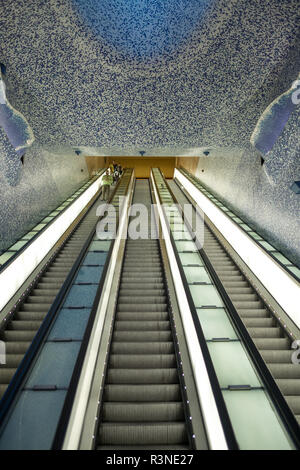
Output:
x,y
272,343
143,434
15,335
140,392
24,325
12,361
271,332
142,325
259,322
30,316
277,356
136,316
142,336
142,361
138,376
285,371
142,348
142,412
147,307
289,386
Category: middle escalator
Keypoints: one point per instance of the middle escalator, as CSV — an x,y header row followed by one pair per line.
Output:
x,y
142,404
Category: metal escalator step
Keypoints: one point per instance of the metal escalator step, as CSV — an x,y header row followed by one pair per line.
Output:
x,y
130,286
146,376
16,335
34,307
142,361
12,361
16,347
142,434
289,386
294,403
30,316
285,371
142,325
277,356
42,292
235,284
118,347
259,322
140,336
254,313
243,298
247,304
142,412
40,299
271,332
148,307
272,343
141,316
140,393
142,292
24,325
238,290
6,374
143,280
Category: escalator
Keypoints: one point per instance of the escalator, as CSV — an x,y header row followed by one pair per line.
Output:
x,y
22,325
142,405
267,333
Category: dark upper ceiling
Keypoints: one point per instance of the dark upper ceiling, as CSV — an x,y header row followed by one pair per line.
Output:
x,y
168,77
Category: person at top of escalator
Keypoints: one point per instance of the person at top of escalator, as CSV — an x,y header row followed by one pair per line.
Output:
x,y
107,180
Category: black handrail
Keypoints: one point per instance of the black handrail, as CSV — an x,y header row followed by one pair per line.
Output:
x,y
69,399
219,399
28,359
283,266
284,411
23,248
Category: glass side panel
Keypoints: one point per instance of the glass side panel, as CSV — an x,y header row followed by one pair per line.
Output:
x,y
95,258
206,296
99,245
254,421
37,414
89,274
232,365
197,274
186,246
190,258
81,296
181,235
54,365
70,324
215,323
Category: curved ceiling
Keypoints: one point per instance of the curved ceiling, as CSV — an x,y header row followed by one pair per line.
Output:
x,y
168,77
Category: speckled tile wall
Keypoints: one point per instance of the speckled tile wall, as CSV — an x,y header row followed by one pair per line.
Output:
x,y
261,194
168,77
